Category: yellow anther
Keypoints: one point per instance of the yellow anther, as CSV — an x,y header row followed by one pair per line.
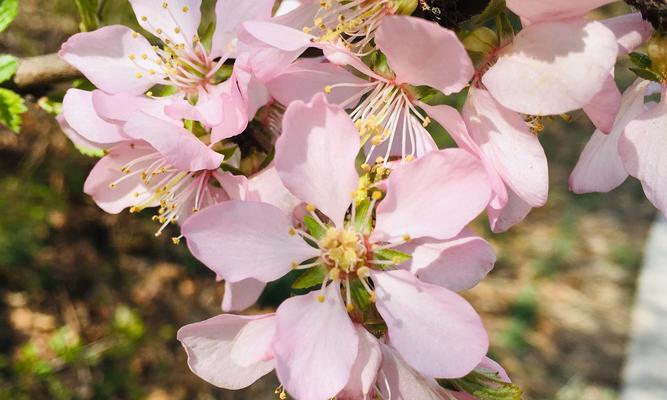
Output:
x,y
291,231
176,240
427,122
377,195
409,157
363,272
379,160
327,89
158,31
165,5
372,297
134,210
112,185
151,71
334,274
149,94
139,75
366,167
396,260
185,9
177,30
144,56
144,18
132,56
135,35
406,238
310,208
349,307
321,298
376,140
306,29
294,265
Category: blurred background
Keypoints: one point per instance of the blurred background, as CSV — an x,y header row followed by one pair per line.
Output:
x,y
90,303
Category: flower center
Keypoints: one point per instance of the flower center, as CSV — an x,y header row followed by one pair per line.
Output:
x,y
343,249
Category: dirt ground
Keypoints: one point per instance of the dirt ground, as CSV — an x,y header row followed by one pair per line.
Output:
x,y
90,302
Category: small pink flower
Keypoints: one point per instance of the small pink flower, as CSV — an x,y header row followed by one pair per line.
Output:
x,y
315,158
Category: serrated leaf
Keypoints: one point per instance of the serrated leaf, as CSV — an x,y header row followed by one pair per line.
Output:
x,y
8,11
311,278
314,228
8,66
641,60
398,257
647,74
11,108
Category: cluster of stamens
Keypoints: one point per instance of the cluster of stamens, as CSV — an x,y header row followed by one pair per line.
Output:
x,y
177,193
386,110
183,59
350,23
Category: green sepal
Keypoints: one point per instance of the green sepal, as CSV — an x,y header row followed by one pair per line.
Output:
x,y
392,255
312,277
314,228
641,60
8,11
487,385
8,66
492,10
362,221
11,108
88,13
90,151
647,74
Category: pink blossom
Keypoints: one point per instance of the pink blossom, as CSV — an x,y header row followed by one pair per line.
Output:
x,y
253,240
118,60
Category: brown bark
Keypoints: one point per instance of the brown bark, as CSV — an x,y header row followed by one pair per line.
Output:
x,y
43,70
654,11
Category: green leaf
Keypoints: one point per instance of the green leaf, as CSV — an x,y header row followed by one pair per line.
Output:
x,y
314,227
11,108
88,13
641,60
8,11
51,106
398,257
311,278
647,74
8,66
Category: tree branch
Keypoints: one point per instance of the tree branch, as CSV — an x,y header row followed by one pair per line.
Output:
x,y
43,70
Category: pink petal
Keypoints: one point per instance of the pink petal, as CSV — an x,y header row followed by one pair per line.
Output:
x,y
81,116
537,11
176,23
234,107
457,264
241,295
180,147
247,240
600,168
315,156
509,213
452,121
436,331
542,72
252,345
103,56
365,368
451,191
120,107
78,140
268,188
490,365
403,382
230,15
631,31
305,78
279,36
424,53
316,345
508,144
643,148
602,110
108,170
253,91
209,346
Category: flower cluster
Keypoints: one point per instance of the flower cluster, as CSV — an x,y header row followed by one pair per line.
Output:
x,y
300,143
